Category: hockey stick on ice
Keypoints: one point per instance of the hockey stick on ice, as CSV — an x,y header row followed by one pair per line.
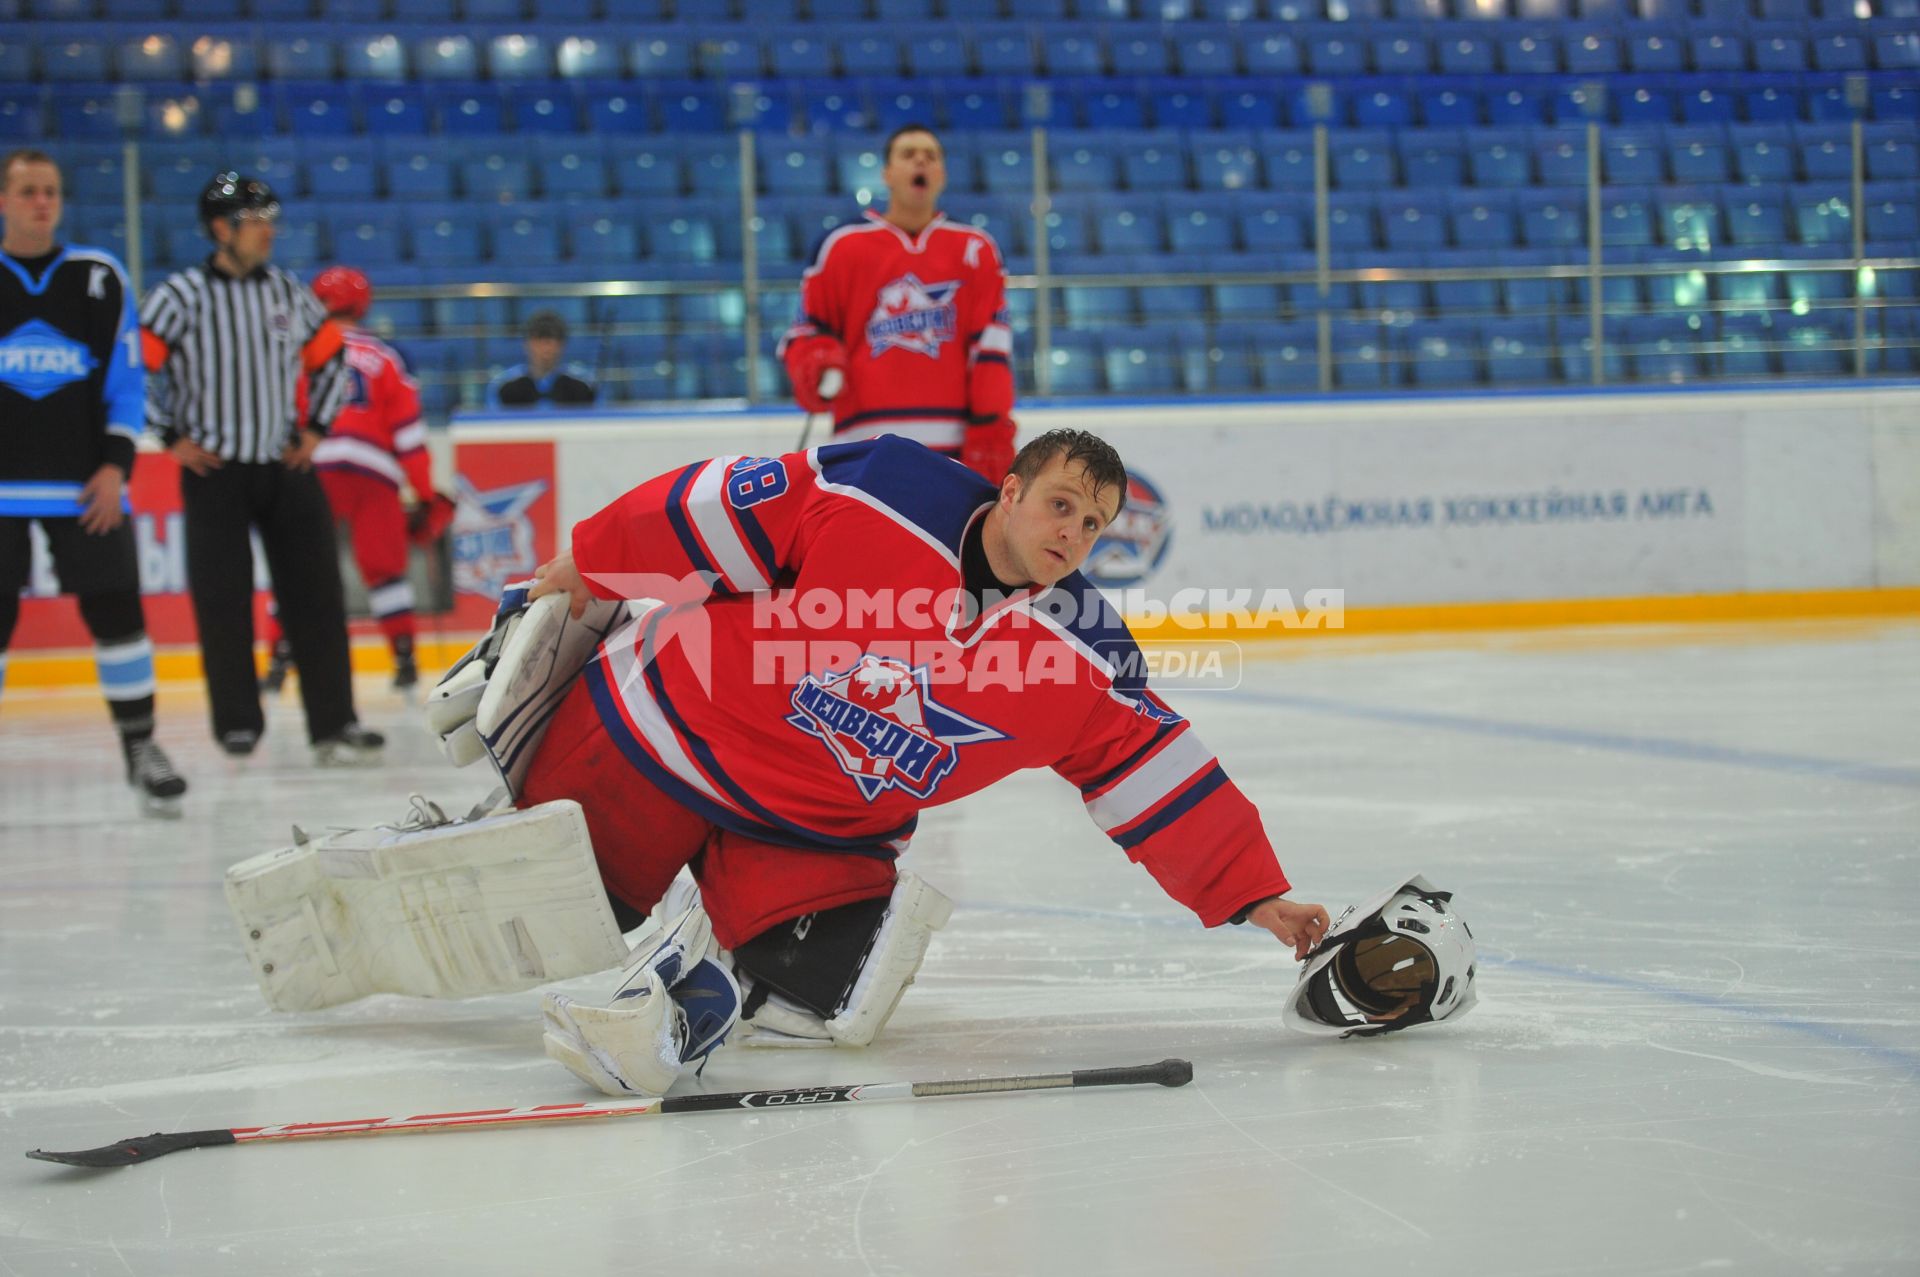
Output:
x,y
145,1148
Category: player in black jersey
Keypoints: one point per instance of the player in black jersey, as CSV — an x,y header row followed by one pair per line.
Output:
x,y
72,402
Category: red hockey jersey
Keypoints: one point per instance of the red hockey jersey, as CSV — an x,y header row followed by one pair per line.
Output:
x,y
378,431
923,319
817,683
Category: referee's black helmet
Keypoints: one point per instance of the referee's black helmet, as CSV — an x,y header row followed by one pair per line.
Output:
x,y
229,195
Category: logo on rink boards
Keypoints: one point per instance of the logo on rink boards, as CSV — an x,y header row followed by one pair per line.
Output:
x,y
1136,542
912,316
879,720
493,536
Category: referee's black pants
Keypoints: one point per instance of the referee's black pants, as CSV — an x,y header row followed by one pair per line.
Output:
x,y
296,530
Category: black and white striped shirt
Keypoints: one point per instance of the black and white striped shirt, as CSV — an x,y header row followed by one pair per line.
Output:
x,y
234,357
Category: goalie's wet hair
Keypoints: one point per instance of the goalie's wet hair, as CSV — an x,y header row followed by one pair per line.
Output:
x,y
1103,465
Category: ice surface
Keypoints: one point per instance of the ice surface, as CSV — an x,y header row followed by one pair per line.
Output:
x,y
1689,857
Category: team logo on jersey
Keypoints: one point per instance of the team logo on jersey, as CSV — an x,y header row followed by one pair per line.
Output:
x,y
492,536
37,359
881,724
1136,542
910,315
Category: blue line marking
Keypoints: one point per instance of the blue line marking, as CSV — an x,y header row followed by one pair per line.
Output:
x,y
1648,746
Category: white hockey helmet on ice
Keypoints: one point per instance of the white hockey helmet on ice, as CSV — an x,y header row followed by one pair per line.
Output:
x,y
1401,959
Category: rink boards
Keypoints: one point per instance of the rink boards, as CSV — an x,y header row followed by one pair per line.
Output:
x,y
1274,517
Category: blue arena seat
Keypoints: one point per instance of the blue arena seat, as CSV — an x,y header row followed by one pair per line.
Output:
x,y
935,53
342,170
1384,107
1483,220
1529,51
1141,361
1412,224
1821,213
1206,53
317,110
1334,52
1717,48
447,236
1138,53
519,57
1199,225
574,169
1102,106
1498,158
1656,50
543,108
496,173
1552,219
467,109
1448,108
449,56
301,57
646,167
1155,163
1837,47
857,165
675,236
1175,105
1072,52
660,54
1511,107
1691,219
1270,52
525,237
1632,157
1826,152
795,166
1074,363
691,108
1754,216
1004,51
1270,227
1706,106
155,56
588,57
1431,158
976,106
1137,231
395,108
367,236
1401,51
1891,153
1250,107
1770,105
1763,154
869,53
1698,154
1085,162
374,56
1560,157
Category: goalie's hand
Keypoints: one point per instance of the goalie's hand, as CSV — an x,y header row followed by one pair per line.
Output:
x,y
1303,926
558,575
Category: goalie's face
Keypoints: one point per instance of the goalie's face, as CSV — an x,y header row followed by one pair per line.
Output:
x,y
1051,523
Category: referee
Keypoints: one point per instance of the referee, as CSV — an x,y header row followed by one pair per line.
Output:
x,y
234,336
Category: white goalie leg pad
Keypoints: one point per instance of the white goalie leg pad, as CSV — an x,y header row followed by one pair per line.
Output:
x,y
675,1007
431,907
914,912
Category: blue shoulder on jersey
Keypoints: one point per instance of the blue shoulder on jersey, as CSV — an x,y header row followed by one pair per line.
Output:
x,y
932,492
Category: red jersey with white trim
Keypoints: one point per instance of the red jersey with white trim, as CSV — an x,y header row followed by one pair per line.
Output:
x,y
815,682
378,431
923,319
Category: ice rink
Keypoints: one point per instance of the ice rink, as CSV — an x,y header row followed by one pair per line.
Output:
x,y
1691,857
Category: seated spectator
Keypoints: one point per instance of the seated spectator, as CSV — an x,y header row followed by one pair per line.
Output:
x,y
543,381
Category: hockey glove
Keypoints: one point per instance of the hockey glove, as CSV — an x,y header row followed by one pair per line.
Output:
x,y
810,359
427,520
987,448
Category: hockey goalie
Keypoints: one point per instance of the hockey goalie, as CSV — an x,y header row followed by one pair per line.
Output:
x,y
701,736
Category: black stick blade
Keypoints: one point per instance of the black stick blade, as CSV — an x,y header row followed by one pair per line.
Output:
x,y
1165,1073
138,1149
